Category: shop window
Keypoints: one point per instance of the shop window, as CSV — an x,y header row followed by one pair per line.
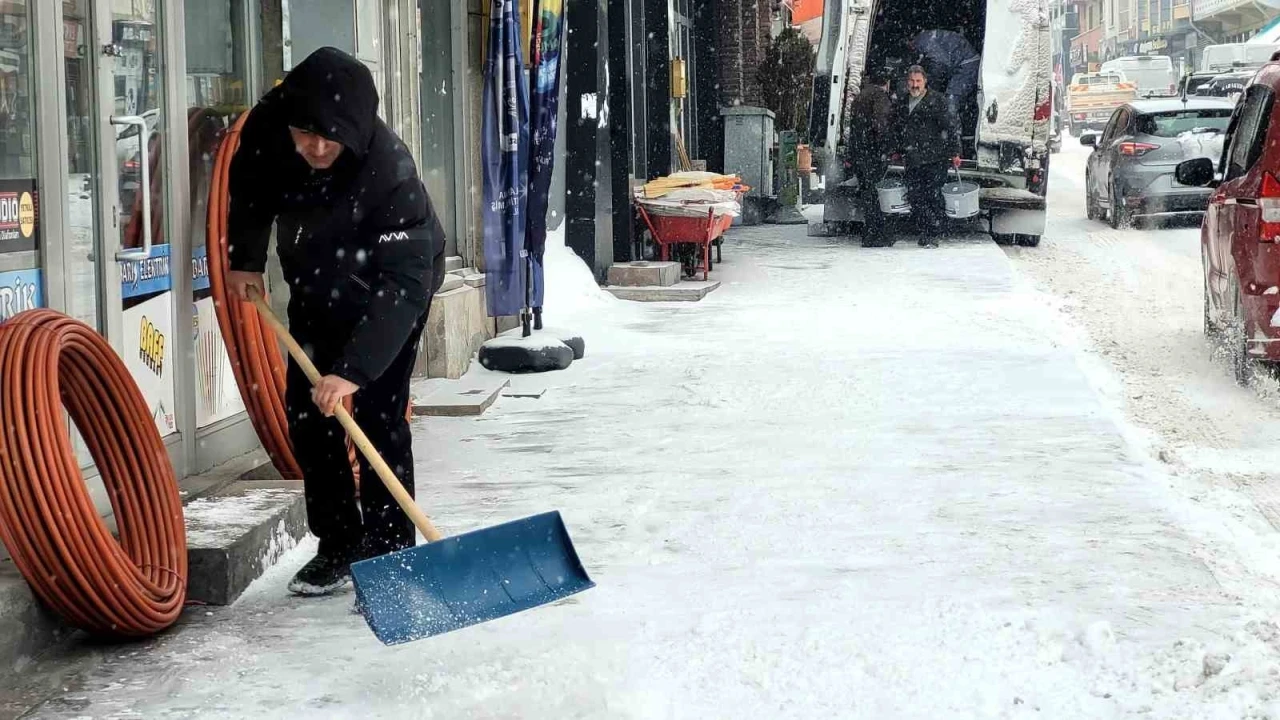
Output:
x,y
217,94
21,284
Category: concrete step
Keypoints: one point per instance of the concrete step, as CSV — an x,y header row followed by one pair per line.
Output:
x,y
26,628
234,536
459,398
643,273
691,291
241,517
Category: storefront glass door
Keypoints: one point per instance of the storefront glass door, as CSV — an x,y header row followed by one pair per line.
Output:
x,y
217,93
117,261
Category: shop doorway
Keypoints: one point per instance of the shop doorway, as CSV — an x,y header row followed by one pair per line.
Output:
x,y
116,269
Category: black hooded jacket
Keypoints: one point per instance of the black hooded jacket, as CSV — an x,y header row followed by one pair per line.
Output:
x,y
871,127
360,244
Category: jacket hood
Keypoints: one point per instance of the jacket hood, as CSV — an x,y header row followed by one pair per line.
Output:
x,y
332,94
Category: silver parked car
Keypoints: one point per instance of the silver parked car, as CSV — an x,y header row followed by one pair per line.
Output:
x,y
1131,171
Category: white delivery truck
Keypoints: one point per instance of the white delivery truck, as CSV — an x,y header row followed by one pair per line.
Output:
x,y
1006,145
1153,74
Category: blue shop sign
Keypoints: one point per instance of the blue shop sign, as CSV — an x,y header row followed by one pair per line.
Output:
x,y
20,290
146,277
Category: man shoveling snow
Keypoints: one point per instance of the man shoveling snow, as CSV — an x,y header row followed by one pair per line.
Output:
x,y
363,253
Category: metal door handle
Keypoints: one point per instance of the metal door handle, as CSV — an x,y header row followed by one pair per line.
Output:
x,y
145,251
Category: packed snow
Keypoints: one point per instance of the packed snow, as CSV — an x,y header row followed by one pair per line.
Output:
x,y
1202,143
890,483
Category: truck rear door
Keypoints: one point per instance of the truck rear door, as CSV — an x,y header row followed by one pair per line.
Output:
x,y
1016,78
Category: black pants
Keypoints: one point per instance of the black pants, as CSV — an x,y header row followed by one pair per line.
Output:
x,y
870,171
924,193
319,444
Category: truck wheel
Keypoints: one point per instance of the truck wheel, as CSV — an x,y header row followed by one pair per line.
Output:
x,y
1027,240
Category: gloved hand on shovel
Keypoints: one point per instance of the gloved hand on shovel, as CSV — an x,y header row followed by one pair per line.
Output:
x,y
332,389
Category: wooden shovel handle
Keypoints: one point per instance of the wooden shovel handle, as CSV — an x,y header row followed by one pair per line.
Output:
x,y
361,440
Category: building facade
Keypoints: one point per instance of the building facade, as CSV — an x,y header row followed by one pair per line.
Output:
x,y
1231,21
1064,26
1179,29
1085,53
112,112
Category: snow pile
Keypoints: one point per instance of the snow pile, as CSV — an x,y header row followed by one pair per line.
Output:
x,y
1202,144
539,341
217,521
571,288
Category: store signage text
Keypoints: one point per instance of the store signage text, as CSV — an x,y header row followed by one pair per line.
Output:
x,y
19,216
1153,45
151,346
146,277
20,291
199,268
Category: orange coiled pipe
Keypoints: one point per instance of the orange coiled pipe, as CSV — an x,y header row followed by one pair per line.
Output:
x,y
133,587
256,359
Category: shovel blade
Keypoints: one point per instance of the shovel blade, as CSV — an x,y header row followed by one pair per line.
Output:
x,y
468,579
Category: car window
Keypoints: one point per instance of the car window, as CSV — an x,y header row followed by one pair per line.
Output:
x,y
1172,124
1119,125
1250,131
1112,127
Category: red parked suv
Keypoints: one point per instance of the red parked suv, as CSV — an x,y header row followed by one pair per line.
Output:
x,y
1240,237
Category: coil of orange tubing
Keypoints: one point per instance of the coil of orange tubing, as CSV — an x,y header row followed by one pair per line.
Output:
x,y
256,359
133,587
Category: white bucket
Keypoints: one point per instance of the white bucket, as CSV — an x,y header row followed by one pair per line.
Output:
x,y
893,196
961,198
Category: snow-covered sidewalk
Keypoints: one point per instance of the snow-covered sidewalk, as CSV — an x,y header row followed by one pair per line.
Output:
x,y
852,483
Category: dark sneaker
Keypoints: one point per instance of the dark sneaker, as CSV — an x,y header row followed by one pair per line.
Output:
x,y
321,576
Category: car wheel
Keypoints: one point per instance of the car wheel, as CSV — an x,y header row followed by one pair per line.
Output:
x,y
1235,339
1210,331
1118,216
1027,240
1004,238
1091,209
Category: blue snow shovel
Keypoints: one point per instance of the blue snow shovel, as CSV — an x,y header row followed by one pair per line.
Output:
x,y
456,582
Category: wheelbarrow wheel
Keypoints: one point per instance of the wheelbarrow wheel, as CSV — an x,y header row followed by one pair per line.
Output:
x,y
687,254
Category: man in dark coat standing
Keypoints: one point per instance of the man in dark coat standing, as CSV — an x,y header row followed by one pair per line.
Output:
x,y
930,141
363,252
870,132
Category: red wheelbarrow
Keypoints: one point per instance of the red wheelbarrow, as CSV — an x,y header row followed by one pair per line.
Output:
x,y
701,232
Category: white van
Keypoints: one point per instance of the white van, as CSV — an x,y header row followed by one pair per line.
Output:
x,y
1236,56
1153,74
1007,141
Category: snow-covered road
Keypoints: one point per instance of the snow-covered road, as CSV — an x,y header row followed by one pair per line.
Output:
x,y
1138,293
856,483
